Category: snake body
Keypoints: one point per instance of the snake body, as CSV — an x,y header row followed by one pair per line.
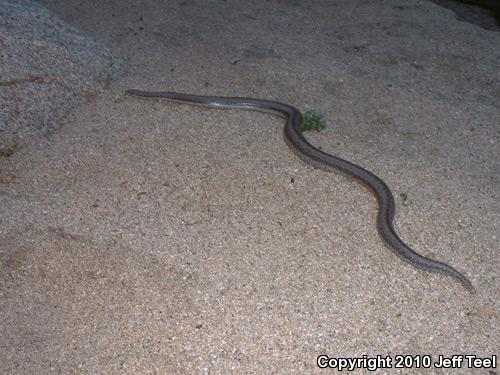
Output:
x,y
319,159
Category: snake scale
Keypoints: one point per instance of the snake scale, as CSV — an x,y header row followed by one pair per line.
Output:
x,y
319,159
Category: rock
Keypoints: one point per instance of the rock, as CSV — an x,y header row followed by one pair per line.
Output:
x,y
47,68
486,16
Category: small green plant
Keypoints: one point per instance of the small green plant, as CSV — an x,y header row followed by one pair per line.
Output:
x,y
8,149
405,199
312,121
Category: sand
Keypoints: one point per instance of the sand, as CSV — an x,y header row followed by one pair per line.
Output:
x,y
146,237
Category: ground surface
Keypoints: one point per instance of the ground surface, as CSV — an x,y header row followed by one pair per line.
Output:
x,y
148,237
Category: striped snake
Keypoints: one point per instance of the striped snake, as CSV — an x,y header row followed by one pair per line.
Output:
x,y
319,159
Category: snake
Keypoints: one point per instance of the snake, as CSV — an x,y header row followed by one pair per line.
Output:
x,y
324,161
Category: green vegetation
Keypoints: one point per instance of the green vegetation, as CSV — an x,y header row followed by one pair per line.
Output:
x,y
405,198
312,121
9,149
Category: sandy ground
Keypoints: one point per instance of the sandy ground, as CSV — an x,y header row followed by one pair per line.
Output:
x,y
153,238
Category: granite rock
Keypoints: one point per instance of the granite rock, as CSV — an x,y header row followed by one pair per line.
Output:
x,y
47,68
